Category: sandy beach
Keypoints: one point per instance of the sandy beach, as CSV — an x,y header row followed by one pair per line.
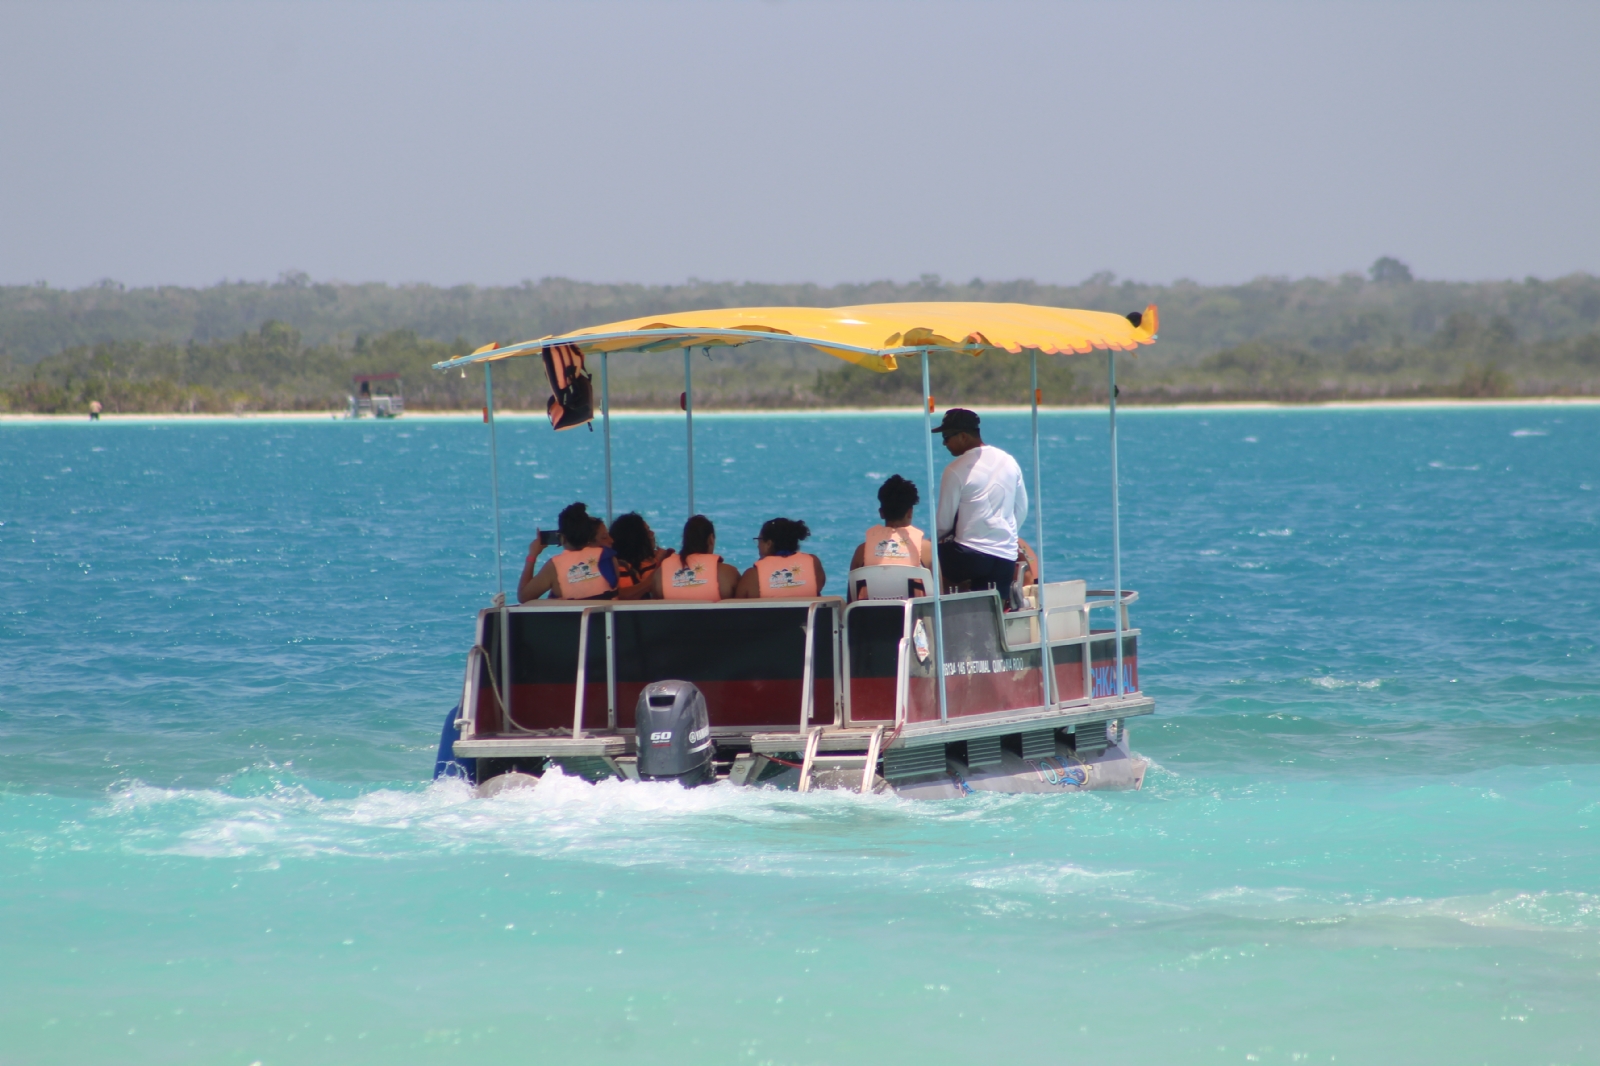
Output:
x,y
812,412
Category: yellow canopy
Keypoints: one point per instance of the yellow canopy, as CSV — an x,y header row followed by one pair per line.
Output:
x,y
870,335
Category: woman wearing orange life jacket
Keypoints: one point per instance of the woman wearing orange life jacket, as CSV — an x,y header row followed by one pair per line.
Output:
x,y
695,573
638,558
895,541
783,571
586,568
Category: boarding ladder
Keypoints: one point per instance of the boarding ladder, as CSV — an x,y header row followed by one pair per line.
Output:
x,y
826,748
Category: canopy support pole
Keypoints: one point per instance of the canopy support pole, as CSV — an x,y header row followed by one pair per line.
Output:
x,y
1116,517
688,410
605,422
494,477
1046,666
933,527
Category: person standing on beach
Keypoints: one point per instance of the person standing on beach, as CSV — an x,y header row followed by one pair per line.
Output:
x,y
982,505
94,410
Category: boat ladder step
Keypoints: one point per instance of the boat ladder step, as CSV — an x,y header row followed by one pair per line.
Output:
x,y
837,754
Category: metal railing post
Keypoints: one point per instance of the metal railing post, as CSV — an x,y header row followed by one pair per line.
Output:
x,y
1046,665
1116,518
611,671
583,667
688,410
938,579
494,477
605,422
807,678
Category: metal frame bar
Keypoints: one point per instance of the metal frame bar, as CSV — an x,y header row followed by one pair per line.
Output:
x,y
494,479
583,664
690,337
870,770
505,665
933,495
808,683
611,671
467,715
688,410
1046,663
605,422
1116,520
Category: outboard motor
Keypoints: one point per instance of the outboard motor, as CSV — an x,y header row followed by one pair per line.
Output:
x,y
674,734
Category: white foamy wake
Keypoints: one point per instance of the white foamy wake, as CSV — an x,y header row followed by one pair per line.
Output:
x,y
969,853
613,822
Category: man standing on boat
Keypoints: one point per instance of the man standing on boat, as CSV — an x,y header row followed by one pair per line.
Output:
x,y
982,504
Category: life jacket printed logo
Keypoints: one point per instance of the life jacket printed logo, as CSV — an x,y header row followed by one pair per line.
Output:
x,y
784,578
890,548
687,577
580,572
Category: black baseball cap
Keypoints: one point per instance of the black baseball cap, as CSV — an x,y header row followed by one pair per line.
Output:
x,y
958,420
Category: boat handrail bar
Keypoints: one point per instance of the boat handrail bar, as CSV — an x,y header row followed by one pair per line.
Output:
x,y
583,663
902,672
467,711
1129,596
807,681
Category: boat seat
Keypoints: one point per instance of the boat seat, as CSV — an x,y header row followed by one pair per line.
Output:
x,y
1064,625
889,582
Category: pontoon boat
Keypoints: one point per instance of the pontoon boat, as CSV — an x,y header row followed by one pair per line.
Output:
x,y
932,696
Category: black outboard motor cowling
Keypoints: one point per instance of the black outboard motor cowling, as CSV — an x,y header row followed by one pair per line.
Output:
x,y
674,734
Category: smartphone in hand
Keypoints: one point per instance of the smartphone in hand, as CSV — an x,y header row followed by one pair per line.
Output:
x,y
549,537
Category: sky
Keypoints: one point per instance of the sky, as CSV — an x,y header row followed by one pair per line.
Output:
x,y
791,141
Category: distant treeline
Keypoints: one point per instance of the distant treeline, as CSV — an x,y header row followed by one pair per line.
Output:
x,y
293,345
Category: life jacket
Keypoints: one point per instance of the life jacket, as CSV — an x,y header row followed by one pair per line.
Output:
x,y
631,576
695,578
579,577
787,576
572,400
893,546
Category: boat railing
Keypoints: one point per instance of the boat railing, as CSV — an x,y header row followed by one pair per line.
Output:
x,y
583,668
1018,631
497,649
809,670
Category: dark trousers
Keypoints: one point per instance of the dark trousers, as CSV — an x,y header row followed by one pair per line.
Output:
x,y
957,564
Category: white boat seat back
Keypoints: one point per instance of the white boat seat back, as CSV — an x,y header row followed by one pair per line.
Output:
x,y
1064,625
889,582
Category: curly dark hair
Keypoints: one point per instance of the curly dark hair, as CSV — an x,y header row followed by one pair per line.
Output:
x,y
896,497
578,527
784,534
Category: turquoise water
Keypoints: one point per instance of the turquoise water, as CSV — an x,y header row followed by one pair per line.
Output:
x,y
1369,836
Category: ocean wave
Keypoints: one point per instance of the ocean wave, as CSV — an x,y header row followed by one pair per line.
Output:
x,y
1328,682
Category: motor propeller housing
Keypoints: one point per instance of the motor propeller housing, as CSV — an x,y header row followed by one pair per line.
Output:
x,y
674,734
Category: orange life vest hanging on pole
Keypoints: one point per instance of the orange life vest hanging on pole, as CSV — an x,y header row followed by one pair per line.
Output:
x,y
572,400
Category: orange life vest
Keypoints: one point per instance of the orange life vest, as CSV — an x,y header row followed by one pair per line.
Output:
x,y
578,574
694,578
629,576
893,546
787,576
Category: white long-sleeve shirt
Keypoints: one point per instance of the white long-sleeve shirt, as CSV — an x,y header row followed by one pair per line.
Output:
x,y
982,497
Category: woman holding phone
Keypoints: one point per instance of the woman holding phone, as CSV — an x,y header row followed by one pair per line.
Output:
x,y
585,569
